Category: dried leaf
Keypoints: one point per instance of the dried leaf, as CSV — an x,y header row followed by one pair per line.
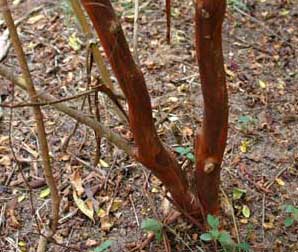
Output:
x,y
101,213
238,193
5,161
246,211
117,204
268,225
76,182
35,19
244,146
83,207
103,163
21,198
262,84
74,42
280,181
45,193
106,223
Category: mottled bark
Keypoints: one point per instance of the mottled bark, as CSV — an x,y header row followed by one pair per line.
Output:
x,y
211,139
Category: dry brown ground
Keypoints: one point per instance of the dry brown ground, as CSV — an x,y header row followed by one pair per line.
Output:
x,y
261,49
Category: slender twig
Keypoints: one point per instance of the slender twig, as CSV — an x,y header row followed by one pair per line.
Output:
x,y
134,209
3,208
168,14
52,240
114,138
43,144
97,136
77,9
19,166
178,237
65,143
268,185
233,214
32,104
263,216
135,32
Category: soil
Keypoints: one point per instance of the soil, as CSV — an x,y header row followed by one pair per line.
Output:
x,y
260,168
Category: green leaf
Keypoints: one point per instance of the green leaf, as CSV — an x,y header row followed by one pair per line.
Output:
x,y
214,233
206,237
183,150
213,221
104,246
288,208
191,157
225,239
45,193
246,211
243,246
289,221
295,213
245,119
154,226
238,193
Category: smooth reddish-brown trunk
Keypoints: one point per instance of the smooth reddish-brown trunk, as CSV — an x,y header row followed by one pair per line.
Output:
x,y
211,139
168,14
149,149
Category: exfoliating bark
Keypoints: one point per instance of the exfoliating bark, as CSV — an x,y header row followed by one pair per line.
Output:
x,y
211,139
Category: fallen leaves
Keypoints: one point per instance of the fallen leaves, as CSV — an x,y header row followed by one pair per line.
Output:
x,y
85,207
45,193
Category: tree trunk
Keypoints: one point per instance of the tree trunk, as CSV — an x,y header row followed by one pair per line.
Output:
x,y
211,139
149,149
210,144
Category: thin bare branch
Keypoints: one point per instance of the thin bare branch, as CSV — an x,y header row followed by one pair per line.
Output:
x,y
77,115
43,144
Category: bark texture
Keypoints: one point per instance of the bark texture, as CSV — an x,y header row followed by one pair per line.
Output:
x,y
211,139
149,149
210,143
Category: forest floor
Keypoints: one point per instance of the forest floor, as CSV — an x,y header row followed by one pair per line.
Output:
x,y
260,168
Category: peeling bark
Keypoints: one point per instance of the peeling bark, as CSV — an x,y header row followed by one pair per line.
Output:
x,y
211,140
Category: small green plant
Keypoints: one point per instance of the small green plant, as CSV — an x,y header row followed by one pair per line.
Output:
x,y
186,152
223,237
104,247
237,4
66,8
154,226
246,123
292,215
